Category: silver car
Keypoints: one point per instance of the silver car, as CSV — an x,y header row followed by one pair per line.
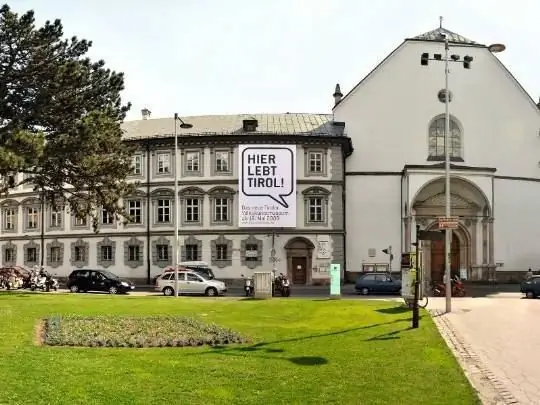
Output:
x,y
189,283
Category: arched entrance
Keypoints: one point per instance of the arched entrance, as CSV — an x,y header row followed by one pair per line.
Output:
x,y
299,259
438,258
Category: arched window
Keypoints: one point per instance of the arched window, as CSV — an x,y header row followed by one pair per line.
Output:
x,y
436,140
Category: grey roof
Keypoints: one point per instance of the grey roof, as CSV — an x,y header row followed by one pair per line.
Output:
x,y
436,35
269,124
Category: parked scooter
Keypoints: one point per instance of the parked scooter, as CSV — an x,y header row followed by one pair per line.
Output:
x,y
282,285
43,281
458,288
248,286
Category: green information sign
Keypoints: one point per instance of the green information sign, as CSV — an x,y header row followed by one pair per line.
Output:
x,y
335,279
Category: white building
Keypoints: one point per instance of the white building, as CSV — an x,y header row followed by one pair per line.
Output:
x,y
32,233
394,178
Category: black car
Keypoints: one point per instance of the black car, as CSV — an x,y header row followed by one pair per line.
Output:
x,y
377,283
85,280
531,287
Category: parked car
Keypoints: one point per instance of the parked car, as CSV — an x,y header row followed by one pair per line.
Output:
x,y
189,282
377,283
200,268
85,280
531,287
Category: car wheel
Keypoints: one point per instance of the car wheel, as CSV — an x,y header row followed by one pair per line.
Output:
x,y
168,292
530,294
113,290
364,291
74,289
211,292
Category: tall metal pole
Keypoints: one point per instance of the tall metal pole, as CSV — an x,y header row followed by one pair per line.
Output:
x,y
176,210
416,310
448,232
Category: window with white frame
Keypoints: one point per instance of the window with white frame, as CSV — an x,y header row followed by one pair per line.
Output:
x,y
80,221
162,253
136,165
106,253
32,217
436,146
192,209
106,217
55,254
192,252
221,163
316,162
315,207
221,209
163,163
9,255
31,254
134,253
193,161
9,219
80,253
135,211
56,218
222,252
163,211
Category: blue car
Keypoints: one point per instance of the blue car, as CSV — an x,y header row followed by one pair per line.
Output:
x,y
377,283
531,287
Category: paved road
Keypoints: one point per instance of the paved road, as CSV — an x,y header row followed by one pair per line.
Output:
x,y
503,330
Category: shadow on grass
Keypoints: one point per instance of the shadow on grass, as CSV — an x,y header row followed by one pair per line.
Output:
x,y
394,310
388,336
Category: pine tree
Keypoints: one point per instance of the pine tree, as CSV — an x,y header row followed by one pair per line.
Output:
x,y
60,116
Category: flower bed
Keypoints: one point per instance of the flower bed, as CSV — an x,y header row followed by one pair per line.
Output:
x,y
118,331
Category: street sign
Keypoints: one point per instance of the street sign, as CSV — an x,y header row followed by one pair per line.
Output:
x,y
448,222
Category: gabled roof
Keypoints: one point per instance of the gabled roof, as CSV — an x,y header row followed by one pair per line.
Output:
x,y
438,34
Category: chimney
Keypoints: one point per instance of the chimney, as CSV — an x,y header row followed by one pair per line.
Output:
x,y
337,95
146,113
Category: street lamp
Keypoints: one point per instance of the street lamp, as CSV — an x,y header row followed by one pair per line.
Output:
x,y
183,125
467,60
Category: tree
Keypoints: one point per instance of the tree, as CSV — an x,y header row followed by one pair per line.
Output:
x,y
60,117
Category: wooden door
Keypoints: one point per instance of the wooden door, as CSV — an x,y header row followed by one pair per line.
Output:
x,y
299,271
437,258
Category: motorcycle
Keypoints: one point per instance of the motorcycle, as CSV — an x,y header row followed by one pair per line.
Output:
x,y
282,285
458,289
43,281
248,286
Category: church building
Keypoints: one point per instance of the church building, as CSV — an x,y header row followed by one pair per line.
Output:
x,y
395,180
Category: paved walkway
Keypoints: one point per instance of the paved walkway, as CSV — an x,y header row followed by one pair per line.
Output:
x,y
498,342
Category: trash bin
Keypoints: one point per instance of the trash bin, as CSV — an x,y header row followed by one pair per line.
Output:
x,y
263,284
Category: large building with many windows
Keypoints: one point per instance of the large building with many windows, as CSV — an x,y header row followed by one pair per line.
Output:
x,y
208,193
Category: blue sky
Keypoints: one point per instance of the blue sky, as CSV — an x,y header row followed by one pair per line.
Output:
x,y
198,57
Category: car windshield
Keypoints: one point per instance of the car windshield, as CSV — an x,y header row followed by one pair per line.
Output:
x,y
110,275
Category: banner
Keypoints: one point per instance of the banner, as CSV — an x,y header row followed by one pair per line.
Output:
x,y
267,186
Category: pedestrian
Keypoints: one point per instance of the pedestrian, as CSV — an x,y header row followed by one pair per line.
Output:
x,y
529,274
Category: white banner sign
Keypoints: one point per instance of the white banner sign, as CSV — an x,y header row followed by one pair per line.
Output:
x,y
267,186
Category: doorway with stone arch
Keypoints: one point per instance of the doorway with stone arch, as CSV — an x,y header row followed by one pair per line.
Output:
x,y
299,259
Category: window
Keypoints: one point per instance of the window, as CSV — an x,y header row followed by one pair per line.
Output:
x,y
252,253
221,252
194,277
135,211
9,219
222,161
136,164
106,217
193,161
134,253
164,163
315,160
192,251
436,140
163,211
55,254
9,255
315,209
192,210
106,253
80,221
32,218
162,253
80,253
31,254
369,277
221,209
56,218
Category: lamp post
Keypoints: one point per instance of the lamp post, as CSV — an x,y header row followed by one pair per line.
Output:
x,y
467,60
183,125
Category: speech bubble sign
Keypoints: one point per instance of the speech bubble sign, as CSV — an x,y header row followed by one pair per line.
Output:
x,y
268,172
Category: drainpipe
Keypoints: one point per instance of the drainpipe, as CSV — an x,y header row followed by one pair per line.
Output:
x,y
344,203
148,249
42,233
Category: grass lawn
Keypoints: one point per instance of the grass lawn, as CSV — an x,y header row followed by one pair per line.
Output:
x,y
302,351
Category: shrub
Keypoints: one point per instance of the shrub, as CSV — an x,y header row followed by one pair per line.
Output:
x,y
117,331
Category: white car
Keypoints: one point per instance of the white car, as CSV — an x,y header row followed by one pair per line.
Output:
x,y
189,283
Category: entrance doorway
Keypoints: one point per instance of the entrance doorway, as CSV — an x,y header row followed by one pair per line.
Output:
x,y
299,270
437,258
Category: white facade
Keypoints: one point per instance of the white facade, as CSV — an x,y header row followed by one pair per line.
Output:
x,y
391,115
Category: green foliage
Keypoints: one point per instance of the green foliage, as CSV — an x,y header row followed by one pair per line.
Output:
x,y
156,331
60,116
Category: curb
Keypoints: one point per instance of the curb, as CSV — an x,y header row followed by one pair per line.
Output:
x,y
487,385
